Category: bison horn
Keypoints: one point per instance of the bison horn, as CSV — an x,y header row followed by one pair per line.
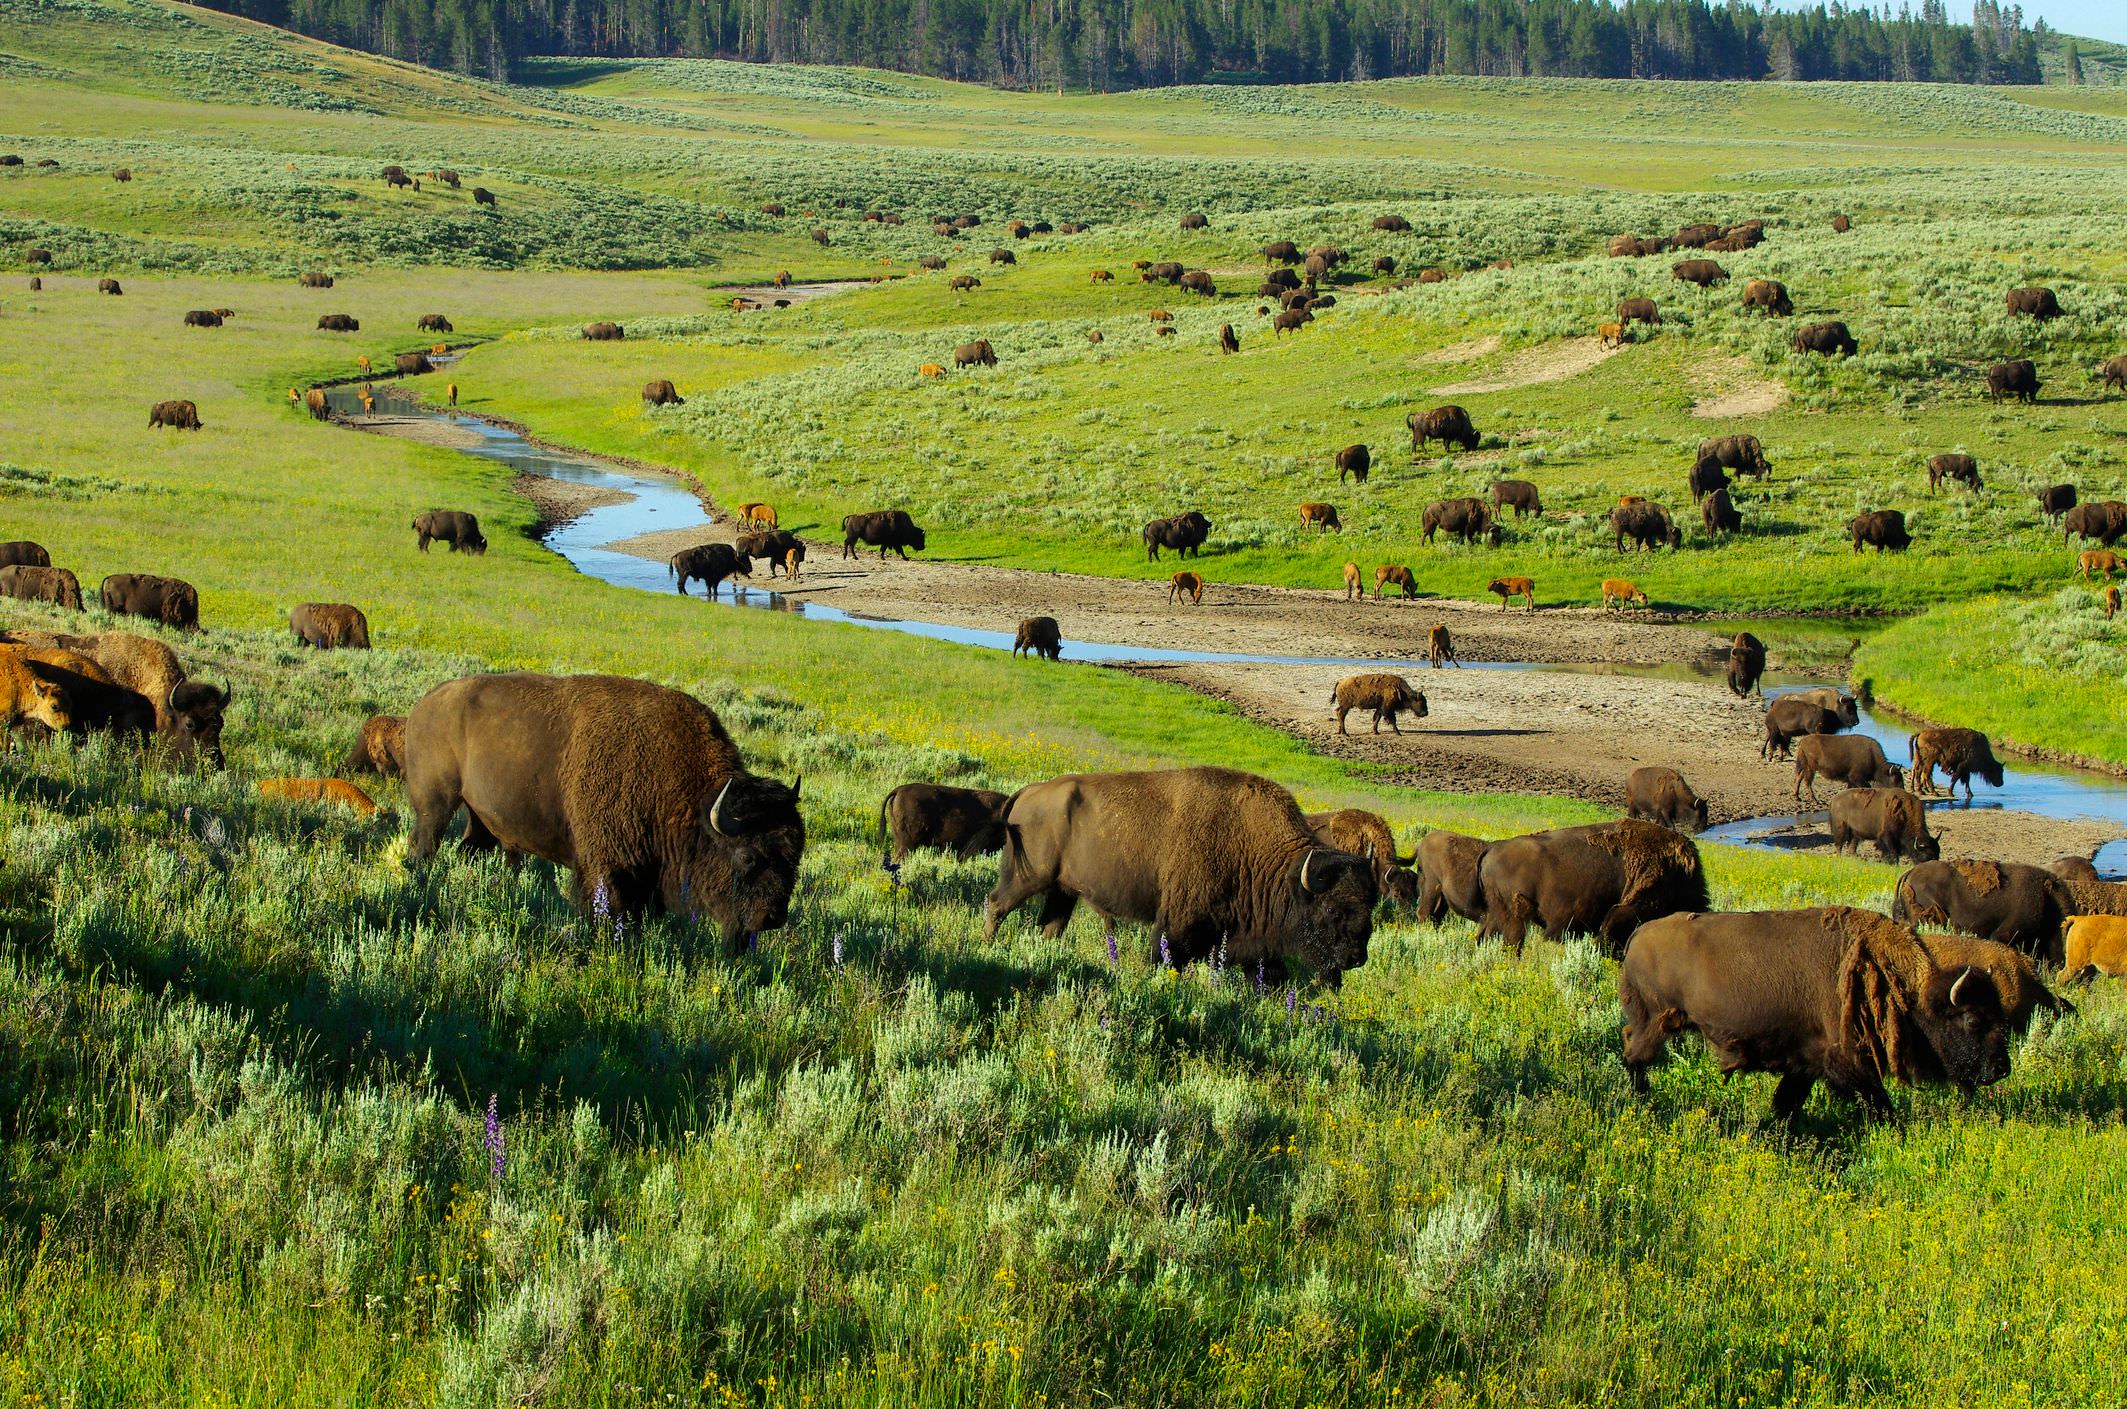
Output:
x,y
716,810
1306,876
1958,986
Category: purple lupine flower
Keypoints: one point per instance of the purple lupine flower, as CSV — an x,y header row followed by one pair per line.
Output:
x,y
1261,987
1166,954
1292,1000
753,941
601,902
1114,955
838,949
495,1163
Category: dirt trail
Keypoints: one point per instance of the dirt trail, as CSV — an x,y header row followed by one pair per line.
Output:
x,y
1549,362
1734,388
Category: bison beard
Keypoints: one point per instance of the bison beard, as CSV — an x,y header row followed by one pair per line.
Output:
x,y
1210,858
635,788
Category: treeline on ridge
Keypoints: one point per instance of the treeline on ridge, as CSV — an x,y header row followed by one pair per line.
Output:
x,y
1109,44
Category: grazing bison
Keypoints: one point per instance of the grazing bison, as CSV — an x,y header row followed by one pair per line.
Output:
x,y
709,564
884,529
1394,224
1836,700
1890,817
412,364
1741,453
1881,529
1319,515
1290,321
2104,520
1209,858
1633,246
1003,256
31,583
1041,636
1228,340
1465,520
329,626
24,553
1184,533
1386,695
1432,276
1961,468
1440,646
1518,495
636,788
1647,525
1840,223
1186,584
931,816
169,600
2112,374
1697,236
604,332
1281,251
1791,717
662,393
1706,476
1959,753
177,415
1854,760
773,208
1388,574
2032,303
1166,271
1836,995
962,283
1508,588
188,715
1450,425
1353,460
935,262
1719,513
1610,334
1357,832
2018,379
1195,220
108,286
453,526
1661,795
1197,281
2009,903
1826,339
202,318
339,323
1604,880
2055,500
314,279
978,353
380,748
434,323
1770,295
1448,876
1703,272
1384,264
1622,592
1280,281
1638,310
772,544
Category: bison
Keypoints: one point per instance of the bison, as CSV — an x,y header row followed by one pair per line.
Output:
x,y
1184,533
1003,256
1290,321
1703,272
339,323
1769,295
2032,303
315,279
1228,340
2018,379
109,286
169,600
1829,697
1661,795
1892,818
1357,832
604,332
1836,995
1719,513
884,529
1386,695
1854,760
2003,901
1622,592
177,415
978,353
1321,516
1197,281
1790,718
775,545
412,364
329,626
1706,477
635,788
24,553
1881,529
1391,574
453,526
1448,864
2093,945
433,323
1281,251
316,402
202,318
932,816
380,748
1638,310
1211,859
2112,374
1041,636
1961,468
1450,425
1508,588
1741,453
710,564
1440,645
1465,520
1353,460
1647,525
1959,753
1393,224
1826,339
662,393
1186,584
2104,520
2055,500
962,283
1604,880
33,583
1518,495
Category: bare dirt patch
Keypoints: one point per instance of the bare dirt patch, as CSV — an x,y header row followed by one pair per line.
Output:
x,y
1548,362
1735,388
558,500
1459,352
794,294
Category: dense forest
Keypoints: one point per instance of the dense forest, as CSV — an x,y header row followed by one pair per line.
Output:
x,y
1110,44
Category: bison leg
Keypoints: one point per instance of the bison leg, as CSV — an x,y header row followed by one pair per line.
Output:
x,y
1342,710
1056,908
434,803
1790,1096
424,542
1014,888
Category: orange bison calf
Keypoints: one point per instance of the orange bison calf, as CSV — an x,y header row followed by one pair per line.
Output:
x,y
337,790
1508,588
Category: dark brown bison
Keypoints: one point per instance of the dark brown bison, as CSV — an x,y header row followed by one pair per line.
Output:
x,y
329,626
1450,425
1703,272
1228,340
177,415
380,748
1719,513
1840,223
1638,310
604,332
2112,374
1827,339
1195,220
771,545
1655,794
2032,303
883,529
66,689
109,286
1353,460
931,816
1881,529
169,600
2018,379
1741,453
1448,876
339,323
2024,994
1279,281
1518,495
1633,246
1791,717
434,323
1290,321
1282,252
1647,525
1770,295
962,283
1384,264
453,526
1358,832
1184,533
2056,500
315,279
1961,468
1465,520
1198,281
1209,858
710,564
1892,818
1163,271
662,393
1604,880
1386,695
2017,905
1836,995
1697,236
1003,256
447,176
412,364
202,318
30,583
2104,520
188,715
978,353
775,208
1706,476
1394,224
1041,636
635,788
931,261
1854,760
1841,704
24,553
823,240
1959,753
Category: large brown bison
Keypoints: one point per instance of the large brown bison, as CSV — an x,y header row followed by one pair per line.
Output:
x,y
1841,704
1854,760
883,529
978,353
1280,281
963,283
771,545
329,626
1518,495
1962,469
2055,500
1361,833
1209,858
1697,235
109,286
1290,321
1634,246
1836,995
2032,303
1826,339
316,402
1195,220
1647,525
1164,271
88,698
169,600
1655,794
1881,529
433,323
1719,513
380,748
635,788
1791,717
604,332
177,415
1769,295
1638,310
1604,880
1841,223
30,583
1386,695
2024,994
1039,635
931,816
1959,753
1465,520
202,318
2112,374
453,526
188,714
710,564
339,323
662,393
1706,476
412,364
1353,460
1393,224
1741,453
1184,533
1448,876
1003,256
1703,272
1197,281
1892,818
2004,901
1746,665
1450,425
1228,341
2017,379
24,553
315,279
1281,251
2104,520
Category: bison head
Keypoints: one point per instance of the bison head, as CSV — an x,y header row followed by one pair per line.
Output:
x,y
1961,1015
748,845
915,539
1334,895
196,712
1400,885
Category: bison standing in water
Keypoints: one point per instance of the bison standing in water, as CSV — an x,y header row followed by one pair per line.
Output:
x,y
883,529
709,564
453,526
919,816
1890,817
1746,665
1959,753
1209,858
1604,880
1184,533
637,789
1661,795
1856,761
1386,695
1836,995
1450,425
1039,635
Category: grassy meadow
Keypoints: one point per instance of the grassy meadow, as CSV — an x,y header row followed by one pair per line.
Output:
x,y
247,1058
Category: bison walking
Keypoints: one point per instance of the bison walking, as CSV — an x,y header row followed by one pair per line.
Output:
x,y
1184,533
1826,339
1604,880
884,529
1959,753
710,564
2009,903
1386,695
453,526
1881,529
177,415
1856,761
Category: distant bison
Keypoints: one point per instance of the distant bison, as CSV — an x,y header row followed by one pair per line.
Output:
x,y
380,748
169,600
604,332
1661,795
1228,341
433,323
453,526
1892,818
202,318
1647,525
313,279
1465,520
1741,453
32,583
2056,500
2032,303
1282,251
177,415
314,401
24,553
1384,264
1853,760
1790,718
1961,468
774,545
1353,460
1841,224
1769,295
1393,575
1386,695
2104,520
1516,494
1450,425
1638,310
978,353
967,822
1394,224
1195,220
1314,514
709,564
1508,588
1041,636
412,364
1881,529
1703,272
1198,281
1621,592
1719,513
109,286
339,323
662,393
883,529
962,283
2018,379
329,626
1826,339
1003,256
1184,533
1959,753
2112,373
1290,321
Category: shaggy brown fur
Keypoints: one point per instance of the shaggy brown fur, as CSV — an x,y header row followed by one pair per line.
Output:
x,y
1386,695
662,393
330,625
177,415
1959,753
1891,817
1448,865
34,584
2023,992
380,748
1450,425
978,353
1367,834
26,695
1604,880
